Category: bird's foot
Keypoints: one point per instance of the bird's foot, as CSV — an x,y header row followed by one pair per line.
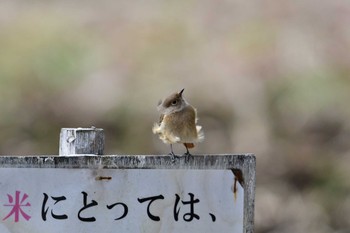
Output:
x,y
173,156
187,156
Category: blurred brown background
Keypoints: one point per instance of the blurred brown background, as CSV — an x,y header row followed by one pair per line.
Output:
x,y
267,77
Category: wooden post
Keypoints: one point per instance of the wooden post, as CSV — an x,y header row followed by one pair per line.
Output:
x,y
78,141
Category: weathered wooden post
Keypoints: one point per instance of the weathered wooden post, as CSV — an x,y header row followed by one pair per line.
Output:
x,y
85,191
75,141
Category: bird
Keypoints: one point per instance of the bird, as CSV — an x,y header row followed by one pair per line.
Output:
x,y
178,123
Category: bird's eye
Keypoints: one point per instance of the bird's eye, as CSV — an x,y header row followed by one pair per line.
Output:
x,y
174,102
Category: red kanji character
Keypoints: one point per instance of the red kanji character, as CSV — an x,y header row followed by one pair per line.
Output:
x,y
17,204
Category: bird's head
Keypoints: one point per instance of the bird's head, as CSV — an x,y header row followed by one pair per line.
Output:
x,y
174,103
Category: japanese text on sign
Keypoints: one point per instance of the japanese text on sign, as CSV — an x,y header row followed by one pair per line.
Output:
x,y
134,200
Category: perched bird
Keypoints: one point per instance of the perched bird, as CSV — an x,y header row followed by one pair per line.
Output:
x,y
178,123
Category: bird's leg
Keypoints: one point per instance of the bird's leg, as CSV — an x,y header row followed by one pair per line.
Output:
x,y
172,154
187,154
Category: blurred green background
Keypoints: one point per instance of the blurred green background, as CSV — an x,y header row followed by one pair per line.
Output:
x,y
267,77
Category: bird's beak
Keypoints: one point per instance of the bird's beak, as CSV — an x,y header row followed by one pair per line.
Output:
x,y
159,102
180,93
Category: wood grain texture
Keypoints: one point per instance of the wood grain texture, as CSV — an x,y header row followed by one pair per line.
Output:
x,y
74,141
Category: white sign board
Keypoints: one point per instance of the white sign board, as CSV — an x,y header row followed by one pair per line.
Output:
x,y
56,200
